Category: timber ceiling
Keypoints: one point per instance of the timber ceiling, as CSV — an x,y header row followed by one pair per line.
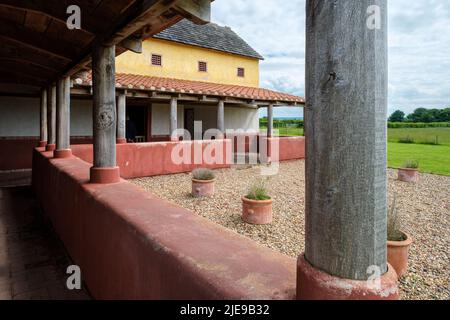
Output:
x,y
36,47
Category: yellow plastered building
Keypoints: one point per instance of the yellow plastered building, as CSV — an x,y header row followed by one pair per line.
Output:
x,y
187,51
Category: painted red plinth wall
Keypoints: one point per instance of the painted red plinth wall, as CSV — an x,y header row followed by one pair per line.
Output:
x,y
131,245
16,152
157,158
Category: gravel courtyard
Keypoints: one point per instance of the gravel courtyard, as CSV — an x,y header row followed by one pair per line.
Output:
x,y
425,208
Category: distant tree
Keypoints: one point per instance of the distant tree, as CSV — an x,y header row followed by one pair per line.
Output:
x,y
397,116
446,114
421,115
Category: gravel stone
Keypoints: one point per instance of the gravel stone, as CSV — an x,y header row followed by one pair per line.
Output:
x,y
424,208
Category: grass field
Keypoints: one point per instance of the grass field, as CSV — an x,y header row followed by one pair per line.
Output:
x,y
286,132
432,158
421,135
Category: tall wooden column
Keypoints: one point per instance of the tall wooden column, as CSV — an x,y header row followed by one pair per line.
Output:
x,y
345,120
270,121
51,118
173,118
221,118
104,115
121,120
43,119
63,118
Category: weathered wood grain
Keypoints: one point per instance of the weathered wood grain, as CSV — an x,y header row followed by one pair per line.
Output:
x,y
104,109
345,119
43,116
63,114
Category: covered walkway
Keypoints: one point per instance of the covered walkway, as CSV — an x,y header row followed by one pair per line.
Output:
x,y
33,262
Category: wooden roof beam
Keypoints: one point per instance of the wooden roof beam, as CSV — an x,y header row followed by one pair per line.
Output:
x,y
35,40
57,10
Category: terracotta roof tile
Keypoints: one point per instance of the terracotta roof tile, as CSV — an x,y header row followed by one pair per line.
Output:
x,y
188,86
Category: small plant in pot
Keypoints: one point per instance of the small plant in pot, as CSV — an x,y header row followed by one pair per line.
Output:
x,y
409,172
257,205
203,182
398,243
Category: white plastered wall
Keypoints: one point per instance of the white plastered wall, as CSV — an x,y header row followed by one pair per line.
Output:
x,y
161,118
19,117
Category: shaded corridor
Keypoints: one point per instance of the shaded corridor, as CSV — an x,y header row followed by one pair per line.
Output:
x,y
33,261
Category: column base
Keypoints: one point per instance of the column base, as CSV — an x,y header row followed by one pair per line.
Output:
x,y
42,144
105,175
50,147
121,141
62,153
314,284
174,139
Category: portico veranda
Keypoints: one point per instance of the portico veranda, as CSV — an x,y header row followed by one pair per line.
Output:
x,y
130,244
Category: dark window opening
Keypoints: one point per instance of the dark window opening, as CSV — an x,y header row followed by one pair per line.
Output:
x,y
241,72
202,66
156,60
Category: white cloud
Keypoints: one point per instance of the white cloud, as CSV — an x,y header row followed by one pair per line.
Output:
x,y
419,47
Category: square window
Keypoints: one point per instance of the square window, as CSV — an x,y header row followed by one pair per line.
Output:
x,y
202,66
240,72
156,60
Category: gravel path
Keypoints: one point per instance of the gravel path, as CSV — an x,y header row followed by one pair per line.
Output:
x,y
425,207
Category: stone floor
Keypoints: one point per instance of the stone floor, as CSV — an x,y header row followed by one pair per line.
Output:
x,y
33,261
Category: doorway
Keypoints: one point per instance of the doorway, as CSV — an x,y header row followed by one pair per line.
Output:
x,y
138,119
189,121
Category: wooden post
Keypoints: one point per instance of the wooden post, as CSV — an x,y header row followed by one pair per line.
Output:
x,y
270,120
173,119
51,118
63,118
104,115
121,121
221,118
345,119
43,118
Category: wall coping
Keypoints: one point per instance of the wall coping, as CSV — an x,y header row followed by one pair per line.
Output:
x,y
224,264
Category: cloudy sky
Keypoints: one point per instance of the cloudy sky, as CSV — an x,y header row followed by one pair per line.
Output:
x,y
419,47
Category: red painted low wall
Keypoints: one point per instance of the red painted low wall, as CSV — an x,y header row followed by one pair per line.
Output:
x,y
155,158
16,152
131,245
290,148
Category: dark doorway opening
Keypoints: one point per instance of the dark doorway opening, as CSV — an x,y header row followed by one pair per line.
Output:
x,y
137,117
189,122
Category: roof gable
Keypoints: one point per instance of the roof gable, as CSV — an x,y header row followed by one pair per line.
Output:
x,y
211,36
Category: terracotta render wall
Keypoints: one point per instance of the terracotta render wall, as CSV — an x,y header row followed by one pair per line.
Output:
x,y
16,152
134,159
154,158
131,245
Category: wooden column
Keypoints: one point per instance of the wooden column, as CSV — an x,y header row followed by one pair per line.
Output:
x,y
104,115
121,120
173,118
51,118
345,119
43,118
270,121
221,118
63,118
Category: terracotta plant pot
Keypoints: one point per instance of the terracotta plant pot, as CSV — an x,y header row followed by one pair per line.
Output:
x,y
408,175
202,188
397,252
256,211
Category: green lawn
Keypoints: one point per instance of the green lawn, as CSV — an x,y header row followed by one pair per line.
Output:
x,y
432,159
286,132
421,135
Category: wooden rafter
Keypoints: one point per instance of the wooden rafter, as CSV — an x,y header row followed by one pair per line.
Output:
x,y
37,44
